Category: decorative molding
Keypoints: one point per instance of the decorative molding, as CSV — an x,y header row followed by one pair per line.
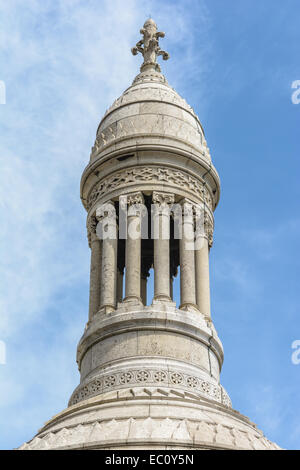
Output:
x,y
151,174
138,377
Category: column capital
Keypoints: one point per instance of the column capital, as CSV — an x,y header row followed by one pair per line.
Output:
x,y
134,202
131,199
197,210
188,206
162,198
135,198
106,210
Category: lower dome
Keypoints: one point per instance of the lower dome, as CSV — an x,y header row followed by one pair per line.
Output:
x,y
149,418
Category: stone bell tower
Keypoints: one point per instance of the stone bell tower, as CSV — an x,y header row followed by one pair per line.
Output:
x,y
150,370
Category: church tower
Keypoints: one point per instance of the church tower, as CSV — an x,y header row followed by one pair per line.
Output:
x,y
150,369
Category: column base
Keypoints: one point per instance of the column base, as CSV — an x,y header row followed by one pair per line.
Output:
x,y
162,297
190,307
133,299
106,309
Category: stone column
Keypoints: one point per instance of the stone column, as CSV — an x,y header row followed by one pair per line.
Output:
x,y
187,258
95,270
161,226
108,232
203,243
133,248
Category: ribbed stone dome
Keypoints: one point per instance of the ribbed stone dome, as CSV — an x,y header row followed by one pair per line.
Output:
x,y
149,418
150,113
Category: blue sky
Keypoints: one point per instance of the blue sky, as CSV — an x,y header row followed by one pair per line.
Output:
x,y
63,63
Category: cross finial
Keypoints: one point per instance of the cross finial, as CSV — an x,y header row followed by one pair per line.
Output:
x,y
149,46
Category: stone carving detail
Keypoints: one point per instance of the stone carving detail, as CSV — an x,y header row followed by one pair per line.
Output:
x,y
162,198
205,387
149,45
176,378
192,382
150,377
135,198
150,124
91,228
126,377
109,381
142,376
225,398
160,376
149,174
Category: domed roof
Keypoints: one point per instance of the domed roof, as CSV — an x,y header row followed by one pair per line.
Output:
x,y
150,112
149,418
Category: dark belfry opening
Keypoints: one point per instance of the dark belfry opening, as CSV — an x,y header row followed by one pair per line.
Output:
x,y
174,258
120,262
147,254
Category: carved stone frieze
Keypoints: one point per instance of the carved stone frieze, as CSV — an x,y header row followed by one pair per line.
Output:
x,y
150,174
151,377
